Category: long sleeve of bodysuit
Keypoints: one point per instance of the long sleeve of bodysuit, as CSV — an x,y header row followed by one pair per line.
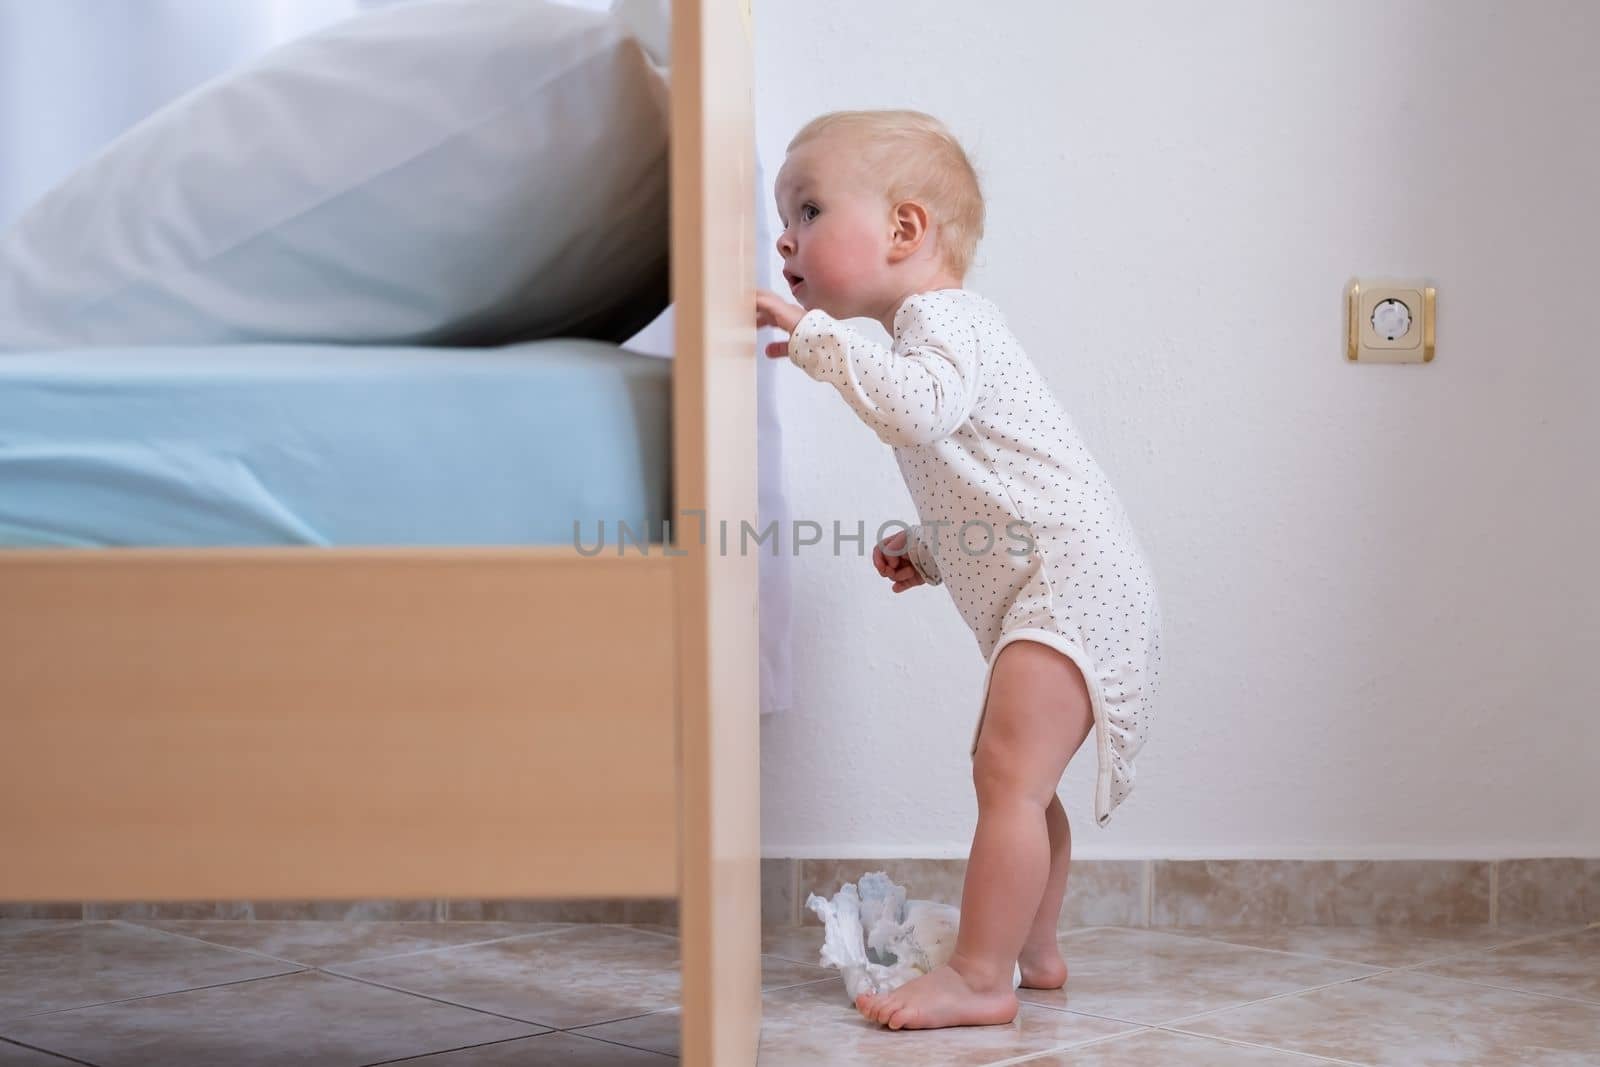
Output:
x,y
914,392
922,557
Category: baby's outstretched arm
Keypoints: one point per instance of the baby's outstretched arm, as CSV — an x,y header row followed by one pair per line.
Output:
x,y
912,393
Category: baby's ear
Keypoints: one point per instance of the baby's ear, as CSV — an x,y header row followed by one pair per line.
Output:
x,y
910,222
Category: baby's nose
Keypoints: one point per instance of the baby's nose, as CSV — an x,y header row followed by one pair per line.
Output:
x,y
785,244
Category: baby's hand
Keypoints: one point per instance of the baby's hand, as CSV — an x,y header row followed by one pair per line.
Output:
x,y
896,568
774,310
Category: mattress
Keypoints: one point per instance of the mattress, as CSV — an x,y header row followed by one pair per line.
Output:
x,y
536,443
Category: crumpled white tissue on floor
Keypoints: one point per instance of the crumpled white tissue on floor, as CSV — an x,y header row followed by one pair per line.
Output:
x,y
879,940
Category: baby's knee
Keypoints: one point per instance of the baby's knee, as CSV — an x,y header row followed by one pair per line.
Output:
x,y
1000,778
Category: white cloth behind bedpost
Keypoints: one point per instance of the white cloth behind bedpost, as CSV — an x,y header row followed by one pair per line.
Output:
x,y
772,502
650,21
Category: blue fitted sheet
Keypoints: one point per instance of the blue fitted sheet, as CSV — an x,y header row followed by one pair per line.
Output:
x,y
331,445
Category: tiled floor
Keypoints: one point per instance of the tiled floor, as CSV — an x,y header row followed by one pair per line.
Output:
x,y
236,994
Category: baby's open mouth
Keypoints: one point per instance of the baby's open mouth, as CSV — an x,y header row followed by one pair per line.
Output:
x,y
792,279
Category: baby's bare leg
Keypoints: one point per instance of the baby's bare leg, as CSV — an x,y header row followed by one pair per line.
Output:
x,y
1041,962
1036,716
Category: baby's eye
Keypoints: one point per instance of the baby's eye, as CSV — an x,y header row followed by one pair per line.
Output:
x,y
813,212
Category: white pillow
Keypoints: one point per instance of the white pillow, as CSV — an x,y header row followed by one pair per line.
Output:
x,y
450,172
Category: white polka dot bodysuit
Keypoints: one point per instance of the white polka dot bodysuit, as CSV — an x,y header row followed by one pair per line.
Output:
x,y
1016,519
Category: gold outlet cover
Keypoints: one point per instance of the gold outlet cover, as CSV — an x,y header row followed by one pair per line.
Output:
x,y
1413,303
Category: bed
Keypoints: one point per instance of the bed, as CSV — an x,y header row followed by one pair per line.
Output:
x,y
461,721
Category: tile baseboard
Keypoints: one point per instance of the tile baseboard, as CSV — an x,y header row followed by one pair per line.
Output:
x,y
657,912
1236,893
1192,893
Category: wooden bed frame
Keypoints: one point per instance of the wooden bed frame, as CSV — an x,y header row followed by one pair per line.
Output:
x,y
353,723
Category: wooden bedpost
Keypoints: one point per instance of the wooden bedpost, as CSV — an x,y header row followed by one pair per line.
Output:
x,y
714,412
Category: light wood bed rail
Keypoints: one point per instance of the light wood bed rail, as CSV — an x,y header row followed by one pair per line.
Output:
x,y
713,162
358,723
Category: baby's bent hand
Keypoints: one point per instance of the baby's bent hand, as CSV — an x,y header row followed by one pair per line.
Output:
x,y
774,310
896,567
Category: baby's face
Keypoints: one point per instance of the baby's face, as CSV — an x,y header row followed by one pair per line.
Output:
x,y
836,233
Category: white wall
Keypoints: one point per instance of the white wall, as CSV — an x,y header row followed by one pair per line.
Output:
x,y
1379,582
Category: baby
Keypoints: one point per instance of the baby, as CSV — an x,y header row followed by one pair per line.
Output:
x,y
882,213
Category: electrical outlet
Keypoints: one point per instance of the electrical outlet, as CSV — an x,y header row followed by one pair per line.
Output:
x,y
1389,321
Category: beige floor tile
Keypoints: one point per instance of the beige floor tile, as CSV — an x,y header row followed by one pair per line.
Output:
x,y
183,909
569,977
798,947
17,1056
658,1032
345,910
316,943
565,979
1380,946
655,928
547,1050
1145,976
814,1025
1562,966
1405,1018
542,911
777,973
90,963
1148,1047
307,1019
33,926
802,944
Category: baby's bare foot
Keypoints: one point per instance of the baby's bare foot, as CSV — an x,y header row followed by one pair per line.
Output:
x,y
940,998
1042,968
